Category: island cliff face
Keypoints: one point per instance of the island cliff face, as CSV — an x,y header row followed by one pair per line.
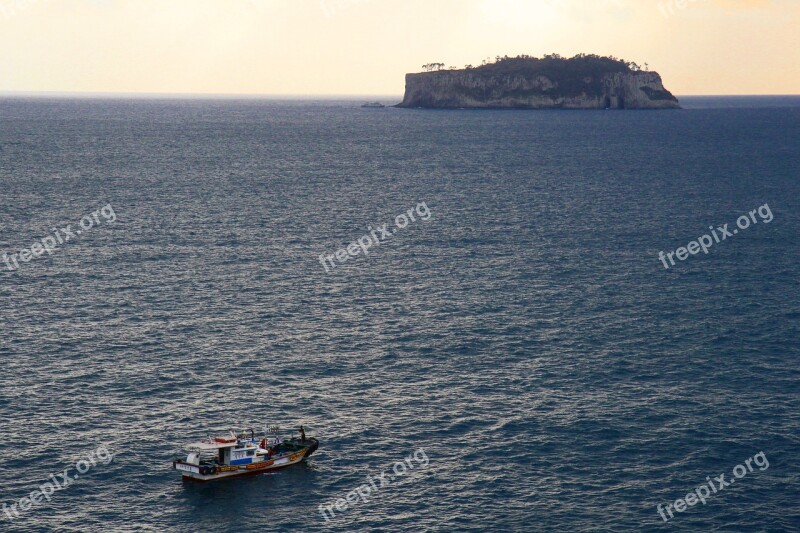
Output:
x,y
585,82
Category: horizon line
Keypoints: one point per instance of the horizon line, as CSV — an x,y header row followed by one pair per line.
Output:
x,y
260,96
125,94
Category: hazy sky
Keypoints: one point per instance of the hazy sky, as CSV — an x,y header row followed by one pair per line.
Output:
x,y
327,47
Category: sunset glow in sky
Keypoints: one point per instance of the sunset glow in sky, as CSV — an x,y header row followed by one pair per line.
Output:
x,y
359,47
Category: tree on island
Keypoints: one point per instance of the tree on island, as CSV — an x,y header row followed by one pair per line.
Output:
x,y
432,66
550,64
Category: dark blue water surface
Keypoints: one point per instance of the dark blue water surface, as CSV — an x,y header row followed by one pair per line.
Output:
x,y
526,338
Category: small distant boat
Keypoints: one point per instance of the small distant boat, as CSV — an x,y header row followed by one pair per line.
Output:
x,y
237,455
376,105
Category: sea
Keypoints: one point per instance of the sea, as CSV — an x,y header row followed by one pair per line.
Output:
x,y
475,312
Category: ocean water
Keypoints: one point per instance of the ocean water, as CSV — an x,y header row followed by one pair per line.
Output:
x,y
521,336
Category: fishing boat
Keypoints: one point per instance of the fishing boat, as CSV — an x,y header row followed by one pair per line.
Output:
x,y
376,105
240,454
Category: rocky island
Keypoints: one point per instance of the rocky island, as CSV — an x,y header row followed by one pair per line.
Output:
x,y
552,82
